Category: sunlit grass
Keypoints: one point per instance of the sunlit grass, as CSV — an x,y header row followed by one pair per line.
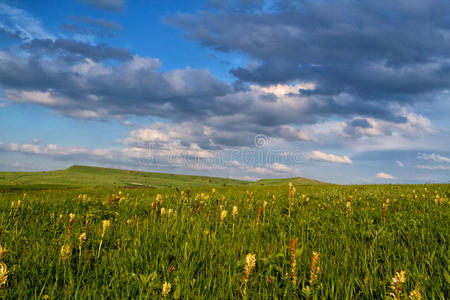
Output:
x,y
231,242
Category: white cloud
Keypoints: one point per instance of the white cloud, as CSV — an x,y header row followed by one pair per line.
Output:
x,y
19,21
437,167
385,176
45,98
434,157
399,163
280,167
281,90
321,156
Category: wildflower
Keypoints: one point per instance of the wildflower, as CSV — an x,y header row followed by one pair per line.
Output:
x,y
66,251
113,199
166,288
223,215
349,203
17,204
105,226
293,255
71,218
258,214
3,274
2,252
154,206
171,269
163,211
269,280
82,238
159,198
291,196
415,294
235,212
213,191
264,207
250,260
170,212
396,284
384,208
46,296
315,269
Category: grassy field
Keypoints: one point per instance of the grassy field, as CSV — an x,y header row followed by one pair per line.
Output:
x,y
243,241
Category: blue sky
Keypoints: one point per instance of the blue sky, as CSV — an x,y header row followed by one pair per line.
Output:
x,y
341,91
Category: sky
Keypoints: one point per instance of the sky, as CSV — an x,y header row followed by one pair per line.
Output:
x,y
348,92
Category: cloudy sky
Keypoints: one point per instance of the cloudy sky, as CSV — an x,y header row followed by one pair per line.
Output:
x,y
341,91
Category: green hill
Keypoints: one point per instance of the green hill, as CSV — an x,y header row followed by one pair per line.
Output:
x,y
285,181
84,176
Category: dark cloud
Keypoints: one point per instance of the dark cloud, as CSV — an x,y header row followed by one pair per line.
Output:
x,y
98,22
108,5
391,50
77,29
361,123
75,48
94,90
351,62
204,109
16,35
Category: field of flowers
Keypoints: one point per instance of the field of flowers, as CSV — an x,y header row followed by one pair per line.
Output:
x,y
313,242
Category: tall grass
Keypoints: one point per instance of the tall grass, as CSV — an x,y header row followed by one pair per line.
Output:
x,y
200,243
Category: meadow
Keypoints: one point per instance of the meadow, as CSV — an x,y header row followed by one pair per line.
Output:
x,y
251,241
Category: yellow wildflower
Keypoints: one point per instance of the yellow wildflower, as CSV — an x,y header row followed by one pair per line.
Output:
x,y
66,251
82,238
223,215
3,274
235,211
166,288
2,252
105,226
250,263
396,284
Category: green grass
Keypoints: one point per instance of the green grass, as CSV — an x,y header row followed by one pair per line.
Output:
x,y
78,176
83,176
204,258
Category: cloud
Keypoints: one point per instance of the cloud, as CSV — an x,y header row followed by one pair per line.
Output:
x,y
99,22
18,23
281,168
435,167
108,5
385,176
97,81
75,50
321,156
134,87
88,28
381,52
434,157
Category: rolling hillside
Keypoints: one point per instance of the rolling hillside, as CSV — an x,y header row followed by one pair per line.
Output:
x,y
84,176
285,181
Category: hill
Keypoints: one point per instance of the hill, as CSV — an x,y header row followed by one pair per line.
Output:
x,y
85,176
285,181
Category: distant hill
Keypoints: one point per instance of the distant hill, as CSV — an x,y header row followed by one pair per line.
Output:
x,y
294,180
85,176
